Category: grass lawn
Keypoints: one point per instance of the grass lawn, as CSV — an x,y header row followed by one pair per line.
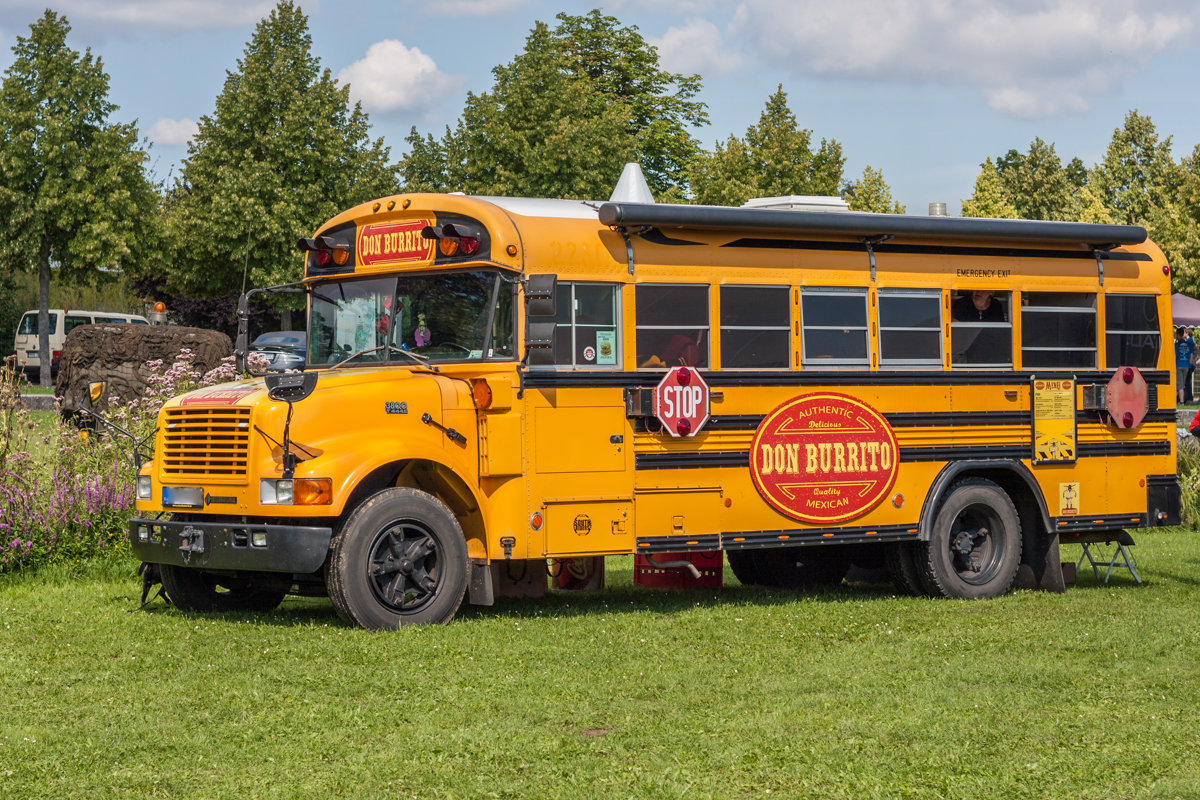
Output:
x,y
626,693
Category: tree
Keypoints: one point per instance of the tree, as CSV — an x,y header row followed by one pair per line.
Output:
x,y
774,159
1137,174
991,197
282,152
73,194
871,193
564,116
1037,183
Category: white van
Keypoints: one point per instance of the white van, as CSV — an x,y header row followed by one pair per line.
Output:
x,y
62,322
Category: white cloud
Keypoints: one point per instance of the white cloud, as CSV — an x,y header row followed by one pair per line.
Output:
x,y
127,15
172,131
697,47
392,77
1027,59
472,8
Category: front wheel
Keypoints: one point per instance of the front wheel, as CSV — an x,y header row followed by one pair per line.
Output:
x,y
400,559
974,548
195,590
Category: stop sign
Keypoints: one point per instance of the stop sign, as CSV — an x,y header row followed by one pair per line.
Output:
x,y
681,401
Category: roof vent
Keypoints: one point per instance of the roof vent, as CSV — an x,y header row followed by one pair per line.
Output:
x,y
632,187
797,202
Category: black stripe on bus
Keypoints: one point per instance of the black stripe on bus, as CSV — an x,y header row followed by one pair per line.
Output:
x,y
1099,522
1016,452
754,540
555,379
784,537
938,419
884,248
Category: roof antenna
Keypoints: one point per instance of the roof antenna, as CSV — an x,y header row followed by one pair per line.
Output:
x,y
632,186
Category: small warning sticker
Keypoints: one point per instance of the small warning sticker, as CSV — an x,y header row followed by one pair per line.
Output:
x,y
1068,499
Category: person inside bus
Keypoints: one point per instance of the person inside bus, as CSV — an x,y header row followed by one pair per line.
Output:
x,y
977,306
681,351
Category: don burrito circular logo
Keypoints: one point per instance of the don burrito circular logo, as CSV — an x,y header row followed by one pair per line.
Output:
x,y
824,458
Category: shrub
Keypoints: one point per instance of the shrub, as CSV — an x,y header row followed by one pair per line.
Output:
x,y
67,494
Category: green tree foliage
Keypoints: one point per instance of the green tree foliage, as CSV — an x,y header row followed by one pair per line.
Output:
x,y
282,152
564,116
871,193
991,197
73,196
1137,174
774,159
1037,183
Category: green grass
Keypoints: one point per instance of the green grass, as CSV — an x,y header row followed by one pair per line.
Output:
x,y
627,693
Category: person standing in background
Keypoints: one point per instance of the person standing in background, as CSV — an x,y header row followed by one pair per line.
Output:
x,y
1187,383
1185,357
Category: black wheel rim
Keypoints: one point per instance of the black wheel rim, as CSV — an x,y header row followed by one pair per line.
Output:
x,y
404,569
977,544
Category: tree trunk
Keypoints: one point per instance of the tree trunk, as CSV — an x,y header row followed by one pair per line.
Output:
x,y
44,377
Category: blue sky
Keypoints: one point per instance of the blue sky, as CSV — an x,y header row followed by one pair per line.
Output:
x,y
923,91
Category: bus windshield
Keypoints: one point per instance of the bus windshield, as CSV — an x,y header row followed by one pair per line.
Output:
x,y
454,316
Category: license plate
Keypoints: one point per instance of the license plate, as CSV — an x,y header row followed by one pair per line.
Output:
x,y
31,354
185,496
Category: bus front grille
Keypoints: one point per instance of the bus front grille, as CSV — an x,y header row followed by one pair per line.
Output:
x,y
206,443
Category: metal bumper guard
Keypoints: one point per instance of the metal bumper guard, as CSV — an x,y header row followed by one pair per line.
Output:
x,y
230,546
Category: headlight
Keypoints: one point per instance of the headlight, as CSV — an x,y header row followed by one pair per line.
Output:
x,y
299,492
272,492
145,487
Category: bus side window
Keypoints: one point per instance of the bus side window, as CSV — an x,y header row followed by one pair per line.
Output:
x,y
587,325
1058,330
834,323
981,329
672,326
755,327
1132,338
910,327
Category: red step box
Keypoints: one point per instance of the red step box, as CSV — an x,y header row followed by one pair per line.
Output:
x,y
710,564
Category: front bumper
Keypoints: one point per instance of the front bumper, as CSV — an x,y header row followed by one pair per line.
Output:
x,y
230,545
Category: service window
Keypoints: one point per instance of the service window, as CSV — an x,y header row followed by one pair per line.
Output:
x,y
1132,337
910,327
834,327
672,326
981,329
1058,330
587,325
755,327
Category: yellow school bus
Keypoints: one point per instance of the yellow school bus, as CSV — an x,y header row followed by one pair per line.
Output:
x,y
493,383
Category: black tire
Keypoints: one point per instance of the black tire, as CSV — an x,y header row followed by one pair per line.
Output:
x,y
802,567
901,563
744,568
400,559
974,548
196,590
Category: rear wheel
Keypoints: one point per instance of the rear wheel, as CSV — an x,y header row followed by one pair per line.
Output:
x,y
901,563
400,559
974,548
195,590
743,566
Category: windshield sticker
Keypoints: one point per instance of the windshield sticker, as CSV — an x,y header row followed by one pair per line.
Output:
x,y
824,458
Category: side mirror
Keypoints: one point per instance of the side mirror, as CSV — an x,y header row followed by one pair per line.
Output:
x,y
540,308
539,295
96,391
